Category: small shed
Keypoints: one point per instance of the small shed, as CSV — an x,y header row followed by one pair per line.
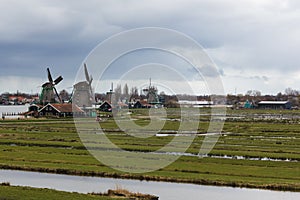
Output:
x,y
248,104
60,110
277,105
33,110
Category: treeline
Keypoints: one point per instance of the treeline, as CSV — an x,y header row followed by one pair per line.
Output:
x,y
128,94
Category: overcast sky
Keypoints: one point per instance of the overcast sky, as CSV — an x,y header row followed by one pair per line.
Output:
x,y
255,43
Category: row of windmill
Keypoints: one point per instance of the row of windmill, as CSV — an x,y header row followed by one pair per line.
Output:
x,y
82,94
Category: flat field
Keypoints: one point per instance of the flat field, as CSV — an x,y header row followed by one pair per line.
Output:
x,y
257,149
27,193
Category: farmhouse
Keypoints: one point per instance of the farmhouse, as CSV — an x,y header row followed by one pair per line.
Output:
x,y
277,105
60,110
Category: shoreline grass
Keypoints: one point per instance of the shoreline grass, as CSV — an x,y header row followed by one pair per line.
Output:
x,y
8,192
30,193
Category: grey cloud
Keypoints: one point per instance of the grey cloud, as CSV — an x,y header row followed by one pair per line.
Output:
x,y
243,34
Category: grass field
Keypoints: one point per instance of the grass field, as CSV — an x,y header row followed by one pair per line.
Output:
x,y
27,193
54,146
8,192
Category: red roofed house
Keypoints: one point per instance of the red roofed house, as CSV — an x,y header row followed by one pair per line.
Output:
x,y
60,110
142,104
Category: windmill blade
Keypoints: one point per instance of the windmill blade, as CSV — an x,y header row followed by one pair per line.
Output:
x,y
58,79
49,76
91,90
86,73
71,97
92,94
57,95
91,79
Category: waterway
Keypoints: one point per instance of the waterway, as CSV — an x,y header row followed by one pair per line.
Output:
x,y
13,109
165,191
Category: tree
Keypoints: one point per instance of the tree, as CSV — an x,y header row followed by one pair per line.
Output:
x,y
125,93
64,95
294,101
118,92
126,90
172,104
134,93
254,93
291,92
249,93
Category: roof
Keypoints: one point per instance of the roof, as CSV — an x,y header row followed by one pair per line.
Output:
x,y
273,102
19,98
144,103
195,102
35,105
105,102
28,112
64,108
122,104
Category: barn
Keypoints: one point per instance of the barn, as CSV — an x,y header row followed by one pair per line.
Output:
x,y
277,105
60,110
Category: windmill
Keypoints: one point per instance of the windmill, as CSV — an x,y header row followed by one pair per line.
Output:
x,y
49,91
82,91
151,94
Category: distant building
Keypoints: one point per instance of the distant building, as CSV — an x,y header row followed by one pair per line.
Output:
x,y
110,95
195,104
277,105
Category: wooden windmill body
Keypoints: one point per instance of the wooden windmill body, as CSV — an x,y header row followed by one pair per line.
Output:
x,y
49,92
82,91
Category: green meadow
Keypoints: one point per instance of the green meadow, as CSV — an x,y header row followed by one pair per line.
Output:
x,y
264,146
27,193
8,192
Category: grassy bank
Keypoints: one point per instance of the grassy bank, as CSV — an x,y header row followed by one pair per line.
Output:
x,y
8,192
27,193
54,146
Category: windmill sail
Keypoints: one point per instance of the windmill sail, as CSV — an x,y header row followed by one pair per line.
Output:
x,y
49,91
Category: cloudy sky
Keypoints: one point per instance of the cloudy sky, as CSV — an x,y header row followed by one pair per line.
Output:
x,y
254,43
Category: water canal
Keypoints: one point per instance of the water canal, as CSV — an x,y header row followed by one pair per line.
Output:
x,y
165,191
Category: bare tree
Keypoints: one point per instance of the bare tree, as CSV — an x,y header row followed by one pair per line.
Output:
x,y
118,92
134,93
126,90
64,95
254,93
291,92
